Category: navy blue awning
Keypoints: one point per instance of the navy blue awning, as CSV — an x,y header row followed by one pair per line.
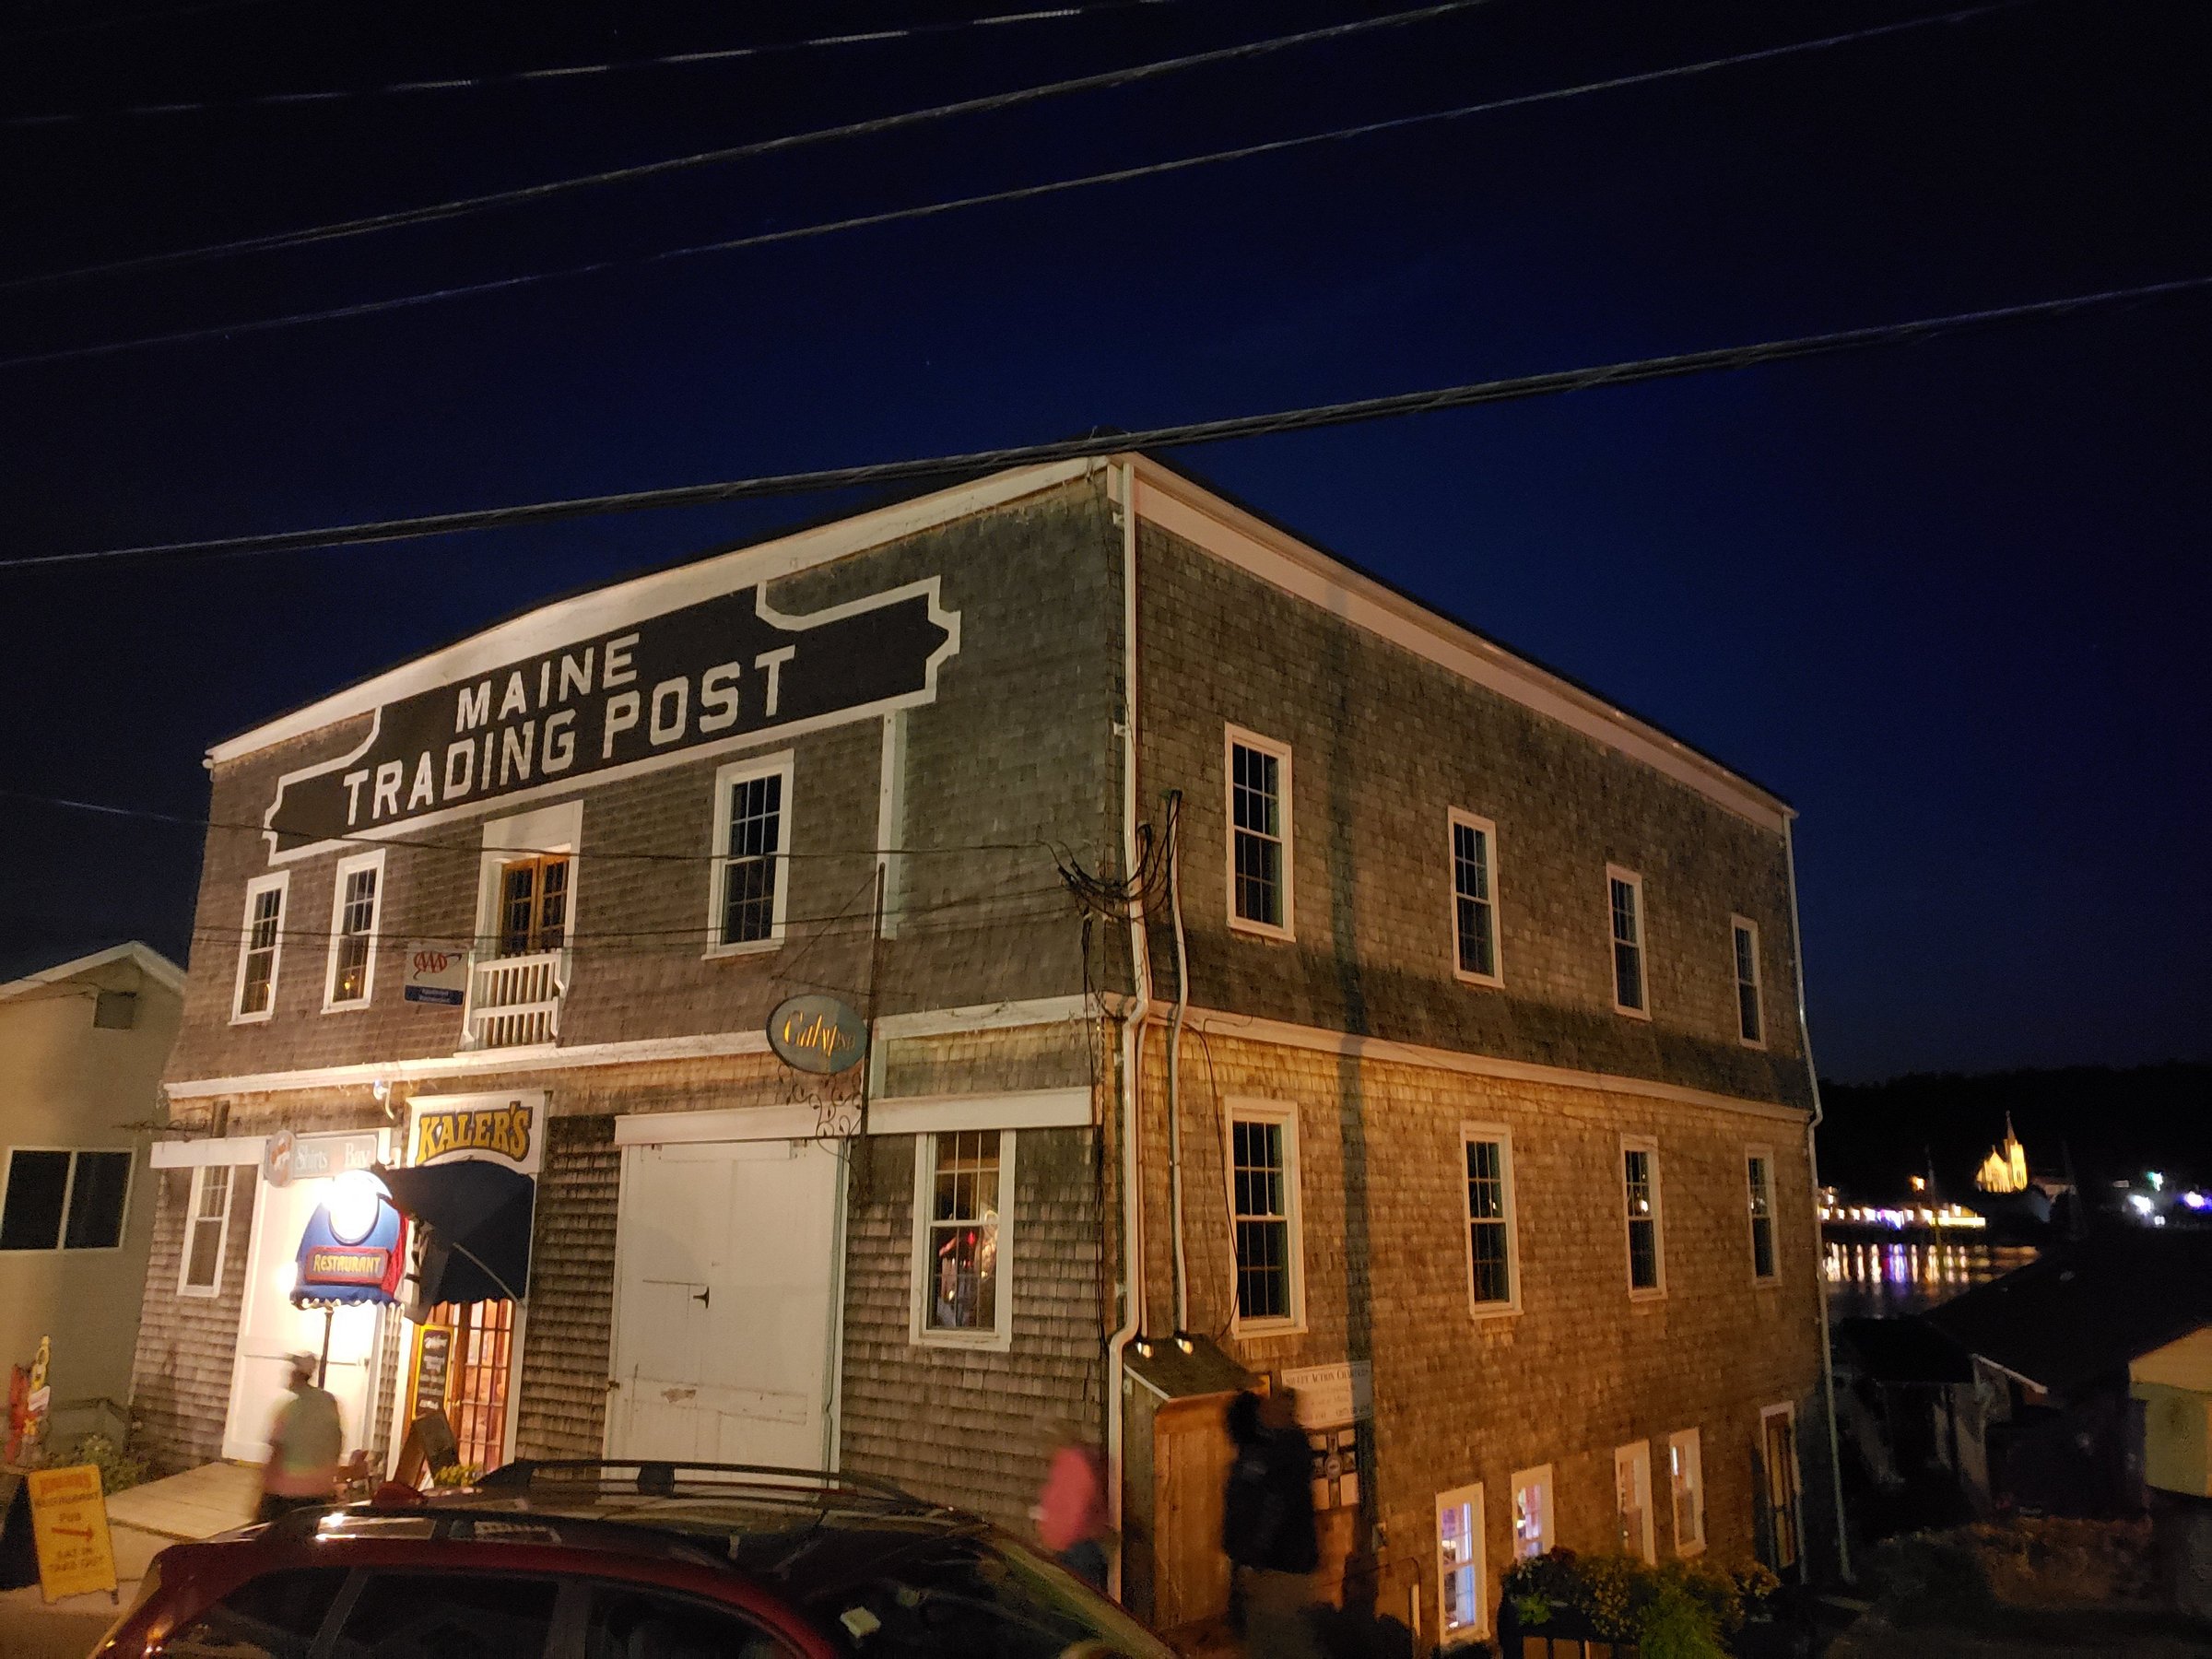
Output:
x,y
474,1217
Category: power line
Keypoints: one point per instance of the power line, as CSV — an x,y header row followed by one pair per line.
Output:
x,y
673,59
1015,194
1554,383
461,205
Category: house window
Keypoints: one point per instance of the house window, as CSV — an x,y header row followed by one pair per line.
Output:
x,y
1758,1169
1777,1529
1640,1189
1489,1164
1532,1513
1474,898
1259,834
534,905
206,1232
1751,1017
63,1200
1626,903
259,946
751,869
1262,1167
1462,1603
1685,1481
963,1179
355,899
1632,1500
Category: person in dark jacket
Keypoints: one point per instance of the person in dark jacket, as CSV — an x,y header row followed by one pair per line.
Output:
x,y
1267,1524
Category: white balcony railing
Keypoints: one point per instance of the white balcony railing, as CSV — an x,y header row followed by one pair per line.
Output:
x,y
514,1002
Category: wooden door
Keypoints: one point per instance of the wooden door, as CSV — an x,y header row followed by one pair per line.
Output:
x,y
1191,1455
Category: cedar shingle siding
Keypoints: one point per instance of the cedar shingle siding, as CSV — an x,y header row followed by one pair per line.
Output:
x,y
187,1345
563,1410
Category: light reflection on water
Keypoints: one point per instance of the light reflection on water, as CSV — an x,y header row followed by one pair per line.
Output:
x,y
1885,1279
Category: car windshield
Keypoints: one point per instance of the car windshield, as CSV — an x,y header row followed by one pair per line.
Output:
x,y
976,1598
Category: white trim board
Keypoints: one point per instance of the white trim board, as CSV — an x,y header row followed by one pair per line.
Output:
x,y
1028,1109
613,609
152,962
1237,538
195,1154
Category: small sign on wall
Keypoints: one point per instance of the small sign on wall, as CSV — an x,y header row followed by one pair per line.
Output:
x,y
439,977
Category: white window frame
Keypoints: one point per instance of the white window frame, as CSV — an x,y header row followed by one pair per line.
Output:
x,y
1267,1112
1684,1449
61,1245
1469,1133
1471,1496
280,882
345,867
222,1226
1548,1526
1786,1409
1645,1144
1458,821
1233,739
1636,1457
1743,925
727,778
999,1339
1765,1156
1642,943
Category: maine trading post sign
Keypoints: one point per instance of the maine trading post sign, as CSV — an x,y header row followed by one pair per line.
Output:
x,y
724,672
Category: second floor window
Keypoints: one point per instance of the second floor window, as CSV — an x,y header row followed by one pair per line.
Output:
x,y
259,949
1751,1017
1263,1154
1640,1188
752,801
1474,898
1489,1220
206,1232
534,905
1759,1170
354,904
1259,834
1625,888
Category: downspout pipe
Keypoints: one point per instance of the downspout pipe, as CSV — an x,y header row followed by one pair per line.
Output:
x,y
1812,1164
1134,1016
1182,1004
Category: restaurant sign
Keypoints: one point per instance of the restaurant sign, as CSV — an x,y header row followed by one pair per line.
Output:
x,y
503,1128
817,1034
727,671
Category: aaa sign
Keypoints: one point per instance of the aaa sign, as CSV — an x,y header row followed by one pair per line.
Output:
x,y
69,1524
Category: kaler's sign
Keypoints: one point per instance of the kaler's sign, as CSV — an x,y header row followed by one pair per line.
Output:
x,y
713,676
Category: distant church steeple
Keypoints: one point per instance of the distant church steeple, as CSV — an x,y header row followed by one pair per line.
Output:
x,y
2006,1167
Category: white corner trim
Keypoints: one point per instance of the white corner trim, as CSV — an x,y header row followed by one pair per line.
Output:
x,y
610,609
197,1154
1237,538
1026,1109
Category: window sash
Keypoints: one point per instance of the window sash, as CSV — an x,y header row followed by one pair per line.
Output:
x,y
1759,1173
962,1236
534,906
1474,909
206,1230
1490,1239
264,918
1256,834
99,1189
1686,1486
1260,1178
1640,1192
357,923
752,852
1627,942
1461,1607
89,1211
1750,1021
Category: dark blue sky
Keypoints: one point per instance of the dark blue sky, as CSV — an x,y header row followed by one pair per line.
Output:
x,y
1949,599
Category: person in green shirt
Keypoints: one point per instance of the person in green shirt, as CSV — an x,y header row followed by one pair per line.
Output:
x,y
306,1443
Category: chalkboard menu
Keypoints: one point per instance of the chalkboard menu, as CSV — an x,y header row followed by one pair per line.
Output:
x,y
433,1358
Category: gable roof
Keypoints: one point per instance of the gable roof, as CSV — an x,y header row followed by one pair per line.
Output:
x,y
2083,1311
152,962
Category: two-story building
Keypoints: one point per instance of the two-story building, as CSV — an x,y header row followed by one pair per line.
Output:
x,y
1269,977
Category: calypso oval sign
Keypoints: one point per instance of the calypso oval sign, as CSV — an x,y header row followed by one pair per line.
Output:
x,y
817,1034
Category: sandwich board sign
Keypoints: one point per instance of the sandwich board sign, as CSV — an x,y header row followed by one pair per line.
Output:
x,y
69,1528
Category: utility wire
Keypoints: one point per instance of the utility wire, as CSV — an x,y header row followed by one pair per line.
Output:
x,y
674,60
1015,194
1551,384
461,205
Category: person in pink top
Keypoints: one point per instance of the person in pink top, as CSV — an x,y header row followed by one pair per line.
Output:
x,y
1071,1510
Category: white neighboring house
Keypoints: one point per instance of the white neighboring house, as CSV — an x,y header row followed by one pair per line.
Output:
x,y
82,1045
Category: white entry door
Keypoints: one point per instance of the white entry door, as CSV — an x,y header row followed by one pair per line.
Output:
x,y
270,1329
724,1282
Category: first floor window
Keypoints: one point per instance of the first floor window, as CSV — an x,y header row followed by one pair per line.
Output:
x,y
1263,1201
63,1200
1632,1500
964,1181
1685,1481
1489,1219
1639,1189
353,930
1751,1017
1778,1469
1626,889
751,802
1462,1602
1259,833
206,1231
1474,897
259,948
1532,1513
1759,1175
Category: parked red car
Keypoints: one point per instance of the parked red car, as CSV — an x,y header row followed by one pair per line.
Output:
x,y
601,1560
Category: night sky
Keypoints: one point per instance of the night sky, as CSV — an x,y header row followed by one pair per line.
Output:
x,y
1950,600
